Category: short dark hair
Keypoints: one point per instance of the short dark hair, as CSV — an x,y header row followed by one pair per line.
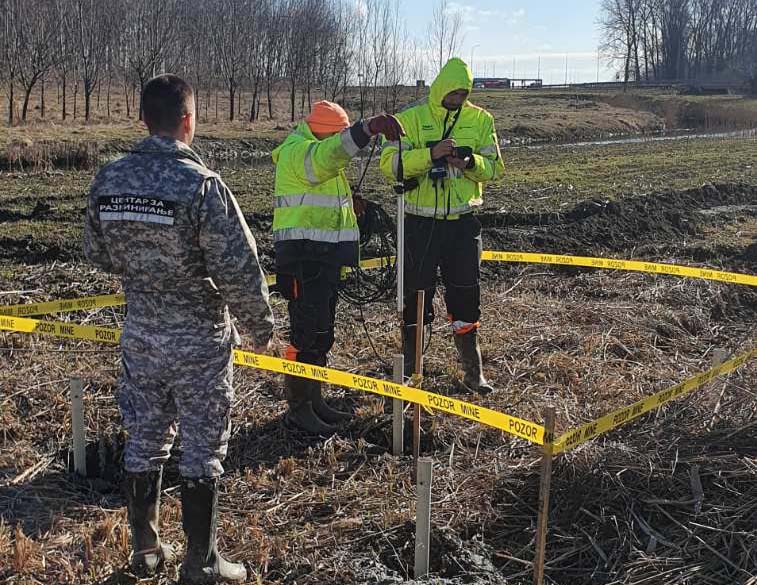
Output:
x,y
165,101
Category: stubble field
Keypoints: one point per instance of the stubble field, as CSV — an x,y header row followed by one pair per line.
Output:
x,y
668,499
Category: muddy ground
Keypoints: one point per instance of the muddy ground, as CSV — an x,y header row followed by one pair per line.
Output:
x,y
671,498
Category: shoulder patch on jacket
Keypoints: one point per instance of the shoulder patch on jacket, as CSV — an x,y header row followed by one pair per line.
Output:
x,y
136,208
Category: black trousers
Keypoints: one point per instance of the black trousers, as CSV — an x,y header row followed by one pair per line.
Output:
x,y
454,246
312,291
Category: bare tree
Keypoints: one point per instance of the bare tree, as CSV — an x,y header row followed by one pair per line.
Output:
x,y
90,34
10,46
63,44
272,56
399,50
681,39
259,18
445,34
302,47
149,32
339,53
418,62
36,30
230,21
619,18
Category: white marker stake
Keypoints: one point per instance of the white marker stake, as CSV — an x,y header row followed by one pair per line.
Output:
x,y
423,517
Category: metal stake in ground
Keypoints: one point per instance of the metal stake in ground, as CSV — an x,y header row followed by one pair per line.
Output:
x,y
399,260
418,373
423,517
544,487
398,409
398,406
77,427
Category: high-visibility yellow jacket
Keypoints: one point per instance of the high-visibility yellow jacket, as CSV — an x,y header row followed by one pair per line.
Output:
x,y
313,218
426,123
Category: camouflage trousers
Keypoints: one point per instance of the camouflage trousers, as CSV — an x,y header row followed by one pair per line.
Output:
x,y
162,385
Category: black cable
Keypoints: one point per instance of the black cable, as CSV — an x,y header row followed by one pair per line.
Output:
x,y
359,187
370,340
377,239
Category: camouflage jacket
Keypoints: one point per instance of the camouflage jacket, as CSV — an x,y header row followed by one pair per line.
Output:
x,y
175,234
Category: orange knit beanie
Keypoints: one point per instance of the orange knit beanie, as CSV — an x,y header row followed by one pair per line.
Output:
x,y
327,117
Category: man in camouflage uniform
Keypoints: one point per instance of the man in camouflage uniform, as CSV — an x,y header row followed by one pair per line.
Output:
x,y
174,233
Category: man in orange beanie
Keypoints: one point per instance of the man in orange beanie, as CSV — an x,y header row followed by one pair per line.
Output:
x,y
315,234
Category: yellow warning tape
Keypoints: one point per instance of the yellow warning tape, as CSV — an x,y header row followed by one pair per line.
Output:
x,y
377,262
63,305
365,264
60,329
618,417
510,424
631,265
592,262
513,425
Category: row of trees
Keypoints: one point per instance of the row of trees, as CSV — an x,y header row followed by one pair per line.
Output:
x,y
306,48
681,39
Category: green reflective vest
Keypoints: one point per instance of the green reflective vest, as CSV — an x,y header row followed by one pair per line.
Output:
x,y
424,123
312,198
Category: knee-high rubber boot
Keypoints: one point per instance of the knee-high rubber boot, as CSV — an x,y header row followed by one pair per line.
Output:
x,y
143,506
301,414
470,356
323,411
203,564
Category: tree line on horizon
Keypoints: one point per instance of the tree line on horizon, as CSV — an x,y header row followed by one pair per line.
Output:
x,y
303,49
680,40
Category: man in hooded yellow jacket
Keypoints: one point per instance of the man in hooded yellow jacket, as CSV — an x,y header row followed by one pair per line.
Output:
x,y
450,150
315,234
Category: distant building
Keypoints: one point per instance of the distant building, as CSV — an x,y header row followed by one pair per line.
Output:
x,y
491,83
506,83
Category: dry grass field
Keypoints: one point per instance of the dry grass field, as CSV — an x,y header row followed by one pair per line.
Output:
x,y
670,498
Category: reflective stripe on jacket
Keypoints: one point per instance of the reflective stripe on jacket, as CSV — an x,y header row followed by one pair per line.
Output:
x,y
312,197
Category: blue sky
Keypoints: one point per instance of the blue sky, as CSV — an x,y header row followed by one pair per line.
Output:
x,y
533,36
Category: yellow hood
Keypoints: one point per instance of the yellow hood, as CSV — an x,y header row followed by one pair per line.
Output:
x,y
453,76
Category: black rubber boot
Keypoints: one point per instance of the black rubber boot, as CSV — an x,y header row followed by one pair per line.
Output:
x,y
202,564
470,356
301,414
323,411
143,506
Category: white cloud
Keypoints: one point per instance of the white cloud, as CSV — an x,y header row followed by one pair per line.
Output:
x,y
516,17
473,16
